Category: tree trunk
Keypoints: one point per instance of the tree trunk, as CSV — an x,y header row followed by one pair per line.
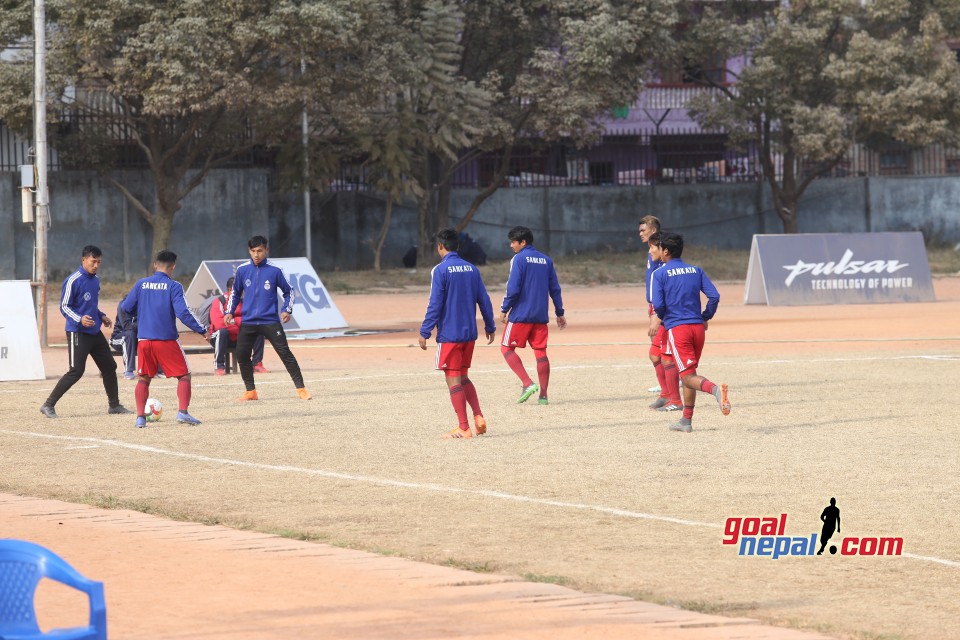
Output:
x,y
490,189
378,248
788,214
785,192
427,226
445,183
162,228
167,205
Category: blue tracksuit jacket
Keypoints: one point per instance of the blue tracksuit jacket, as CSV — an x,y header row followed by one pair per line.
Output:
x,y
80,296
652,265
456,289
261,283
676,288
532,279
157,302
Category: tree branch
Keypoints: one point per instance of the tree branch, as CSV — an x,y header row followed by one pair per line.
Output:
x,y
132,199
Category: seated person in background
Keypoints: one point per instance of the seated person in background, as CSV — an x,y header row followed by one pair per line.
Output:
x,y
124,341
224,337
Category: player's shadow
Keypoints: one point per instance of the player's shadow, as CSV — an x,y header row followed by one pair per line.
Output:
x,y
826,423
605,426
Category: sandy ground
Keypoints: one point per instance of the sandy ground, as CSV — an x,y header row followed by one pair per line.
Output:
x,y
590,492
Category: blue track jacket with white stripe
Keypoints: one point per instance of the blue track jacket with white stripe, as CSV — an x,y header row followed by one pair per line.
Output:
x,y
257,285
676,288
456,290
652,265
80,296
157,302
532,278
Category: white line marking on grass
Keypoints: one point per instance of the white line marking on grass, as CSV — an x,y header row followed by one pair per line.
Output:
x,y
948,563
623,513
368,479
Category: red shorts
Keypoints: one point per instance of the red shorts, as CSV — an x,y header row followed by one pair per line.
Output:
x,y
657,345
454,357
517,334
686,344
153,355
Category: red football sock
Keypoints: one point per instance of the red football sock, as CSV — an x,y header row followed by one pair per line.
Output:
x,y
470,392
543,370
707,387
184,391
513,361
661,379
141,393
688,411
459,400
672,377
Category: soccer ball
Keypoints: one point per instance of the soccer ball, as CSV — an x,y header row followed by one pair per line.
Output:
x,y
153,410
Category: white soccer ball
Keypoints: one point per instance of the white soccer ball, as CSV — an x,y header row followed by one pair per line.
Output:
x,y
153,410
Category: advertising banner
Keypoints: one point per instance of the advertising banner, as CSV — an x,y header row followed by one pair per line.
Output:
x,y
313,308
838,268
20,357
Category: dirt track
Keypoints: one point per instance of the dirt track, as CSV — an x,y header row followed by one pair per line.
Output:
x,y
591,490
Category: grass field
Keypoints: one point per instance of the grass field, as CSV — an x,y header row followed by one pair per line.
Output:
x,y
582,269
591,491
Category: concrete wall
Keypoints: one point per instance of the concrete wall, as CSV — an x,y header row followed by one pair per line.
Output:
x,y
215,221
231,205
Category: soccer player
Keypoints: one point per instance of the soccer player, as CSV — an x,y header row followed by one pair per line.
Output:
x,y
124,340
257,283
676,302
650,225
532,282
660,353
157,301
456,290
79,301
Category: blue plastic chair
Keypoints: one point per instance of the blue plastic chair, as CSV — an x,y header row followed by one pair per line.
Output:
x,y
22,565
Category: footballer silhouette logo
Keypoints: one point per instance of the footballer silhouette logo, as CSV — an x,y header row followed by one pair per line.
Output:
x,y
831,522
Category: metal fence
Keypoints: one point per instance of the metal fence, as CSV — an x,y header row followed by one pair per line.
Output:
x,y
641,157
124,153
681,156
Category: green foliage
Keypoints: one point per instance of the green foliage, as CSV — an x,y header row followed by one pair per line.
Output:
x,y
189,83
821,75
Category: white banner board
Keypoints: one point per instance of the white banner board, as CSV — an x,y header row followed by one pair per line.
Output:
x,y
20,356
313,308
838,268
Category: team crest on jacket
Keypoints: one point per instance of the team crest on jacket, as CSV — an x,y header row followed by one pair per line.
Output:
x,y
266,285
247,282
86,296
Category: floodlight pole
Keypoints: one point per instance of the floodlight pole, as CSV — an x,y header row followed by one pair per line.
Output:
x,y
307,231
40,143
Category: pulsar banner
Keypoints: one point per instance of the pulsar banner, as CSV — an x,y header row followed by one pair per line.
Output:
x,y
838,268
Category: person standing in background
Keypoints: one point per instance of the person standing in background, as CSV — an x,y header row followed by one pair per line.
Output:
x,y
456,291
257,283
524,311
79,304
